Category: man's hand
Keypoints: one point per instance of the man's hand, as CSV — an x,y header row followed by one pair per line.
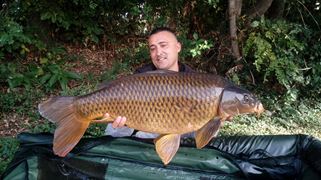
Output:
x,y
118,122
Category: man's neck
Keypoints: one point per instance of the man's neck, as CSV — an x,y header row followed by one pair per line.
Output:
x,y
174,68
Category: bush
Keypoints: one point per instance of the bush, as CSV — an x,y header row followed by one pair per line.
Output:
x,y
281,50
33,75
275,47
13,40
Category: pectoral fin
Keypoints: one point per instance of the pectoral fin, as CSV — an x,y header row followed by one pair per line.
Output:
x,y
207,132
167,146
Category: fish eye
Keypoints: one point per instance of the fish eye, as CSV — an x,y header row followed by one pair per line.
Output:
x,y
246,99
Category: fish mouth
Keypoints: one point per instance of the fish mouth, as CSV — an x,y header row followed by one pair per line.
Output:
x,y
259,109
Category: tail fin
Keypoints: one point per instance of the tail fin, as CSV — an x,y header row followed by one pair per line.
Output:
x,y
71,126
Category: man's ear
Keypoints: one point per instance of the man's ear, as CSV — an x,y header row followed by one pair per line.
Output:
x,y
179,46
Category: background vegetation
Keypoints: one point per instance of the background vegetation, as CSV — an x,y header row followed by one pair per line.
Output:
x,y
271,47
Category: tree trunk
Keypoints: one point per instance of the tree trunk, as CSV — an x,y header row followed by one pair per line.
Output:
x,y
276,10
238,8
234,8
259,8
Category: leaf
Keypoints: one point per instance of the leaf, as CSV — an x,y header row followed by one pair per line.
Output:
x,y
15,80
43,60
63,84
255,24
72,75
27,83
45,78
195,36
53,80
54,68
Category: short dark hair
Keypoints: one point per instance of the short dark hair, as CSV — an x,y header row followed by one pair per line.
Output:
x,y
160,29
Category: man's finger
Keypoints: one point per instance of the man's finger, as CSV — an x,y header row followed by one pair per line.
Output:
x,y
117,122
122,122
106,116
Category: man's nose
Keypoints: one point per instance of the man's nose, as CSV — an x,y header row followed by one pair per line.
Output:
x,y
158,52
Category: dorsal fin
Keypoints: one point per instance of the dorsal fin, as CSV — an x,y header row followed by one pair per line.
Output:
x,y
162,71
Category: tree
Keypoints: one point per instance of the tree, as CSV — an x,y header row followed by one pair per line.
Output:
x,y
259,8
234,9
275,7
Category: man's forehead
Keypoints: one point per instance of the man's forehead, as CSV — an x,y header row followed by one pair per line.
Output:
x,y
160,37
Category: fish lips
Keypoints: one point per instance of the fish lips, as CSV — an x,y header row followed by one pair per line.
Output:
x,y
259,109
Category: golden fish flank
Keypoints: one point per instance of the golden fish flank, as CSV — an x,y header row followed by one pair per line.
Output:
x,y
157,104
161,102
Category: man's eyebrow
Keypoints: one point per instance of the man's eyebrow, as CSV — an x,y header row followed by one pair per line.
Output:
x,y
163,42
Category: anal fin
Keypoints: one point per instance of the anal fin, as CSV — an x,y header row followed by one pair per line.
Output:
x,y
207,132
167,146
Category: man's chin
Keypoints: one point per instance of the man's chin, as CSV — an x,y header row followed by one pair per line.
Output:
x,y
161,66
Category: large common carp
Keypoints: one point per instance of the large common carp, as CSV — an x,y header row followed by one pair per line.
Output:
x,y
163,102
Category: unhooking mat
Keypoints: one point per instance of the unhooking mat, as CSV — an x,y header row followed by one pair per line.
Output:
x,y
237,157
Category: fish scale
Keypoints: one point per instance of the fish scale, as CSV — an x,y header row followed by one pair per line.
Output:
x,y
163,102
155,100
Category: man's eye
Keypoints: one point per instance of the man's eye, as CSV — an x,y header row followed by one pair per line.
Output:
x,y
163,45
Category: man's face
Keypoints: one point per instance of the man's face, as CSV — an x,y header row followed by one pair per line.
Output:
x,y
164,49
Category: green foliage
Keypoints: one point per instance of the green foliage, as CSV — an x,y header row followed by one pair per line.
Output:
x,y
195,47
56,75
20,101
96,130
10,74
33,75
214,3
312,71
8,147
74,19
13,40
134,56
42,126
280,117
128,58
304,12
276,47
200,45
113,72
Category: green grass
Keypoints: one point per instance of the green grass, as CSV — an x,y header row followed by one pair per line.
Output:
x,y
301,118
8,147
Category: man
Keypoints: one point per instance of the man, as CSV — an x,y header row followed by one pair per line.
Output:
x,y
163,48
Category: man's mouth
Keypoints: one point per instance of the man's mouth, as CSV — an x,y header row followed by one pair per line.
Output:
x,y
161,59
